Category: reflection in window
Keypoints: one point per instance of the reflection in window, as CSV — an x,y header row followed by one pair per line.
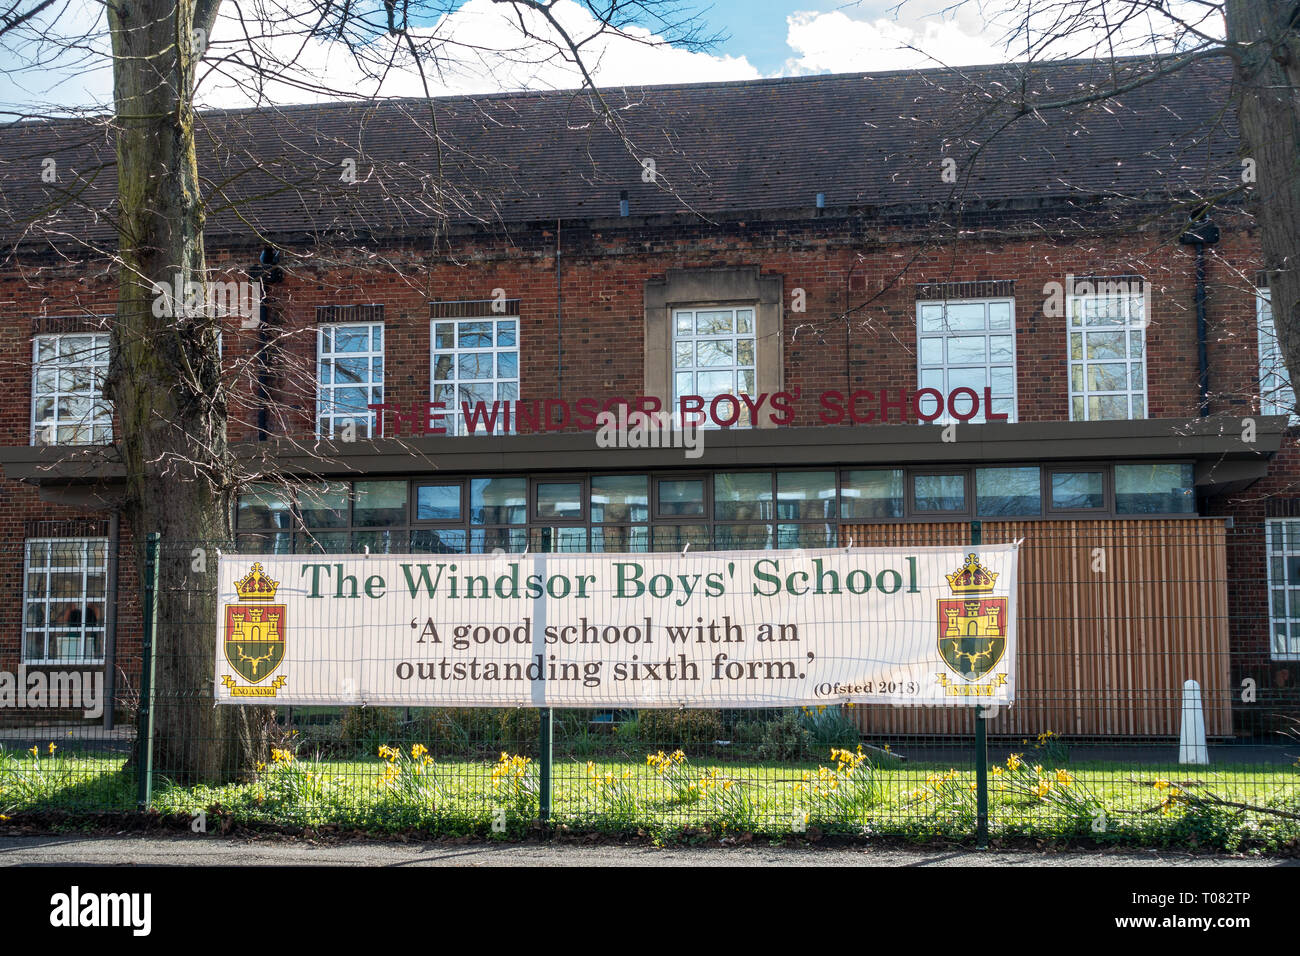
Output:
x,y
1154,489
805,494
349,377
742,537
498,501
873,494
1008,491
1108,354
620,498
1078,490
612,539
474,361
1283,543
681,496
714,354
379,503
437,503
742,495
63,616
939,493
559,500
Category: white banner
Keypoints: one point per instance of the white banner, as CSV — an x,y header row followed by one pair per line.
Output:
x,y
704,629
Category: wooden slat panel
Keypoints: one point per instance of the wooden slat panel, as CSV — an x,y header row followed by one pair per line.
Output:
x,y
1101,652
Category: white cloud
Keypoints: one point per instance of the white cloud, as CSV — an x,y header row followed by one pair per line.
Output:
x,y
479,49
836,43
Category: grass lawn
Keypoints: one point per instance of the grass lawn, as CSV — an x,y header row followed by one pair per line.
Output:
x,y
1146,804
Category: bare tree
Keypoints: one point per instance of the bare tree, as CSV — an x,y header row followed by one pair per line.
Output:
x,y
165,379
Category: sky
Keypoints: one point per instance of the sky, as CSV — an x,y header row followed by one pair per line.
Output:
x,y
481,50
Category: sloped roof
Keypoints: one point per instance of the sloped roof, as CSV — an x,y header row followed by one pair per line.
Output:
x,y
863,140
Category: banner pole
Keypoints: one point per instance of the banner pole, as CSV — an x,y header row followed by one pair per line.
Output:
x,y
981,744
144,722
544,771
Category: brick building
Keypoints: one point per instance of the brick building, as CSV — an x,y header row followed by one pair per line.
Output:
x,y
832,269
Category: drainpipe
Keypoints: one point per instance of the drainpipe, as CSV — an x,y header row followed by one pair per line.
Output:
x,y
1203,233
110,621
268,273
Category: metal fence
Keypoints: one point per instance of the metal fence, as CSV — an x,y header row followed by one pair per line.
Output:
x,y
1090,750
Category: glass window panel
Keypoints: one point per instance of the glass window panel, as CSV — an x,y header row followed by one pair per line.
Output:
x,y
678,496
967,349
1008,491
324,505
263,506
715,353
999,315
685,323
742,495
506,333
807,536
972,378
931,351
611,539
872,494
1105,345
805,494
965,316
620,498
745,321
1078,490
559,500
1002,380
715,383
1154,489
437,502
1108,378
498,501
713,323
742,537
385,541
675,537
1001,348
379,503
564,540
931,318
438,541
488,540
321,542
939,493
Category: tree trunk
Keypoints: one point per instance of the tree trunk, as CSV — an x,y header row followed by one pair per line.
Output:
x,y
1267,74
164,381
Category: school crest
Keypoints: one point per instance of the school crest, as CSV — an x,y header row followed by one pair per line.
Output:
x,y
972,624
255,635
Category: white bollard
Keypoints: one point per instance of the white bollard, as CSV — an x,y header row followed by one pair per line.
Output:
x,y
1191,740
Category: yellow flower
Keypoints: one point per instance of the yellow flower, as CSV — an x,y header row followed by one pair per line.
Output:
x,y
418,751
1160,784
34,752
1064,778
52,747
1013,762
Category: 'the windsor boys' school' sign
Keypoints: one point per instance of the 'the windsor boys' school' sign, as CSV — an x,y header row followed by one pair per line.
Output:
x,y
721,629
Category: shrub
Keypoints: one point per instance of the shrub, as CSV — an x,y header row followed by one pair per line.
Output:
x,y
365,729
679,728
829,727
786,738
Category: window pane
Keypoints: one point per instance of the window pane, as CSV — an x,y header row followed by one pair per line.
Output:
x,y
669,537
1078,490
558,540
679,496
379,503
805,494
1154,489
807,536
324,505
873,494
742,537
742,495
321,542
937,493
437,503
438,541
1008,491
620,498
609,539
559,499
498,501
488,540
263,506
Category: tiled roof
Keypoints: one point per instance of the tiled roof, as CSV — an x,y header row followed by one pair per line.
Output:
x,y
863,140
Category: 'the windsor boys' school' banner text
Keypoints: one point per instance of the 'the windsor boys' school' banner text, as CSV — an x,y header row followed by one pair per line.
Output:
x,y
705,629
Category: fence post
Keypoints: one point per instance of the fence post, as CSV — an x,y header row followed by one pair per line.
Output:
x,y
981,744
144,722
544,771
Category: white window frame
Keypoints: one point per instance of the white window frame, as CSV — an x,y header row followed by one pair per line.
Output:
x,y
736,368
84,568
1133,329
1286,648
326,416
1278,398
944,367
101,413
504,388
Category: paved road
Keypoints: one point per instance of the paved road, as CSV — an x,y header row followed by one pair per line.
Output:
x,y
217,851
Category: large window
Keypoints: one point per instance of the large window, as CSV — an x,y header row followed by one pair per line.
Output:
x,y
1107,349
714,353
1283,543
350,376
1276,396
68,406
476,363
63,597
967,343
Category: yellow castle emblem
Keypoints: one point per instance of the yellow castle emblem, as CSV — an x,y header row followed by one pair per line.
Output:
x,y
254,635
972,626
